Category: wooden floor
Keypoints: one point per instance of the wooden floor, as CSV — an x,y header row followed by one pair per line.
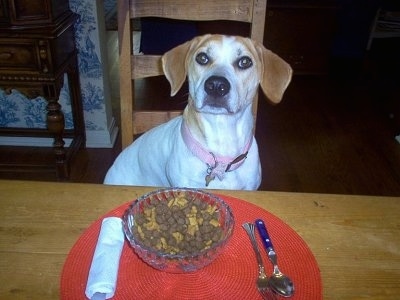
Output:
x,y
331,134
329,139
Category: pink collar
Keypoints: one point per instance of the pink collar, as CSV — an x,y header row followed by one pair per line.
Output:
x,y
216,165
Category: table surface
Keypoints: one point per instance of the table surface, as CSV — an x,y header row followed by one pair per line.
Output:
x,y
355,239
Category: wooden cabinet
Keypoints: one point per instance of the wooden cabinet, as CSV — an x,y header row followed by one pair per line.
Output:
x,y
301,32
28,12
36,49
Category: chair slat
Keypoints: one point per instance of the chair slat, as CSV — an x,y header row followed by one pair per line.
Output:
x,y
146,66
236,10
145,120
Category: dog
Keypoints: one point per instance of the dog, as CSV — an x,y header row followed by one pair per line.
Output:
x,y
212,144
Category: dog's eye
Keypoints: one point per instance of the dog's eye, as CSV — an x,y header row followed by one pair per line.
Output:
x,y
244,62
202,58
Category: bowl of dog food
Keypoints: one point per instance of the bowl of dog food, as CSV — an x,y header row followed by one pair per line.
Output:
x,y
178,230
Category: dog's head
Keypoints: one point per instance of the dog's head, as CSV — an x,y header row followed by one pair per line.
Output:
x,y
224,72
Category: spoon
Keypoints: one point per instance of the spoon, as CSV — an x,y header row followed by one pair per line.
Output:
x,y
278,281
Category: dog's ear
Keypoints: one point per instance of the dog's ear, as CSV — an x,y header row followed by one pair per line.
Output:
x,y
174,66
276,74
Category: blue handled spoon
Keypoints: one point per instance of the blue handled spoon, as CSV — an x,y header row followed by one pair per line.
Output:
x,y
278,281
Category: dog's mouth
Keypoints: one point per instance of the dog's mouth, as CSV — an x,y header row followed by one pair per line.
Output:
x,y
217,105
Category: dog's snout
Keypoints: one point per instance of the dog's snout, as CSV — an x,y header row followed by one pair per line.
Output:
x,y
217,86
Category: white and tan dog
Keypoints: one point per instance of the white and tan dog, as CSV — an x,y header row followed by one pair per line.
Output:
x,y
212,144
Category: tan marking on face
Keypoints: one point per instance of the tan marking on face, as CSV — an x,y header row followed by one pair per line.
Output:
x,y
223,53
268,69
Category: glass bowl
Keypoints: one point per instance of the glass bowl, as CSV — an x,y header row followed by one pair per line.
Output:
x,y
178,230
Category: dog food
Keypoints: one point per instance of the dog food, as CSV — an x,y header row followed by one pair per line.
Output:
x,y
178,226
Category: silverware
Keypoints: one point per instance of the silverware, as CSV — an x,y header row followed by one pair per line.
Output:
x,y
262,279
278,281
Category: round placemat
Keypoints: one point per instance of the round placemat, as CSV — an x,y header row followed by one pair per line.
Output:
x,y
231,276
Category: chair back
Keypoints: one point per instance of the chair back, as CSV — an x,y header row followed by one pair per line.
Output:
x,y
134,66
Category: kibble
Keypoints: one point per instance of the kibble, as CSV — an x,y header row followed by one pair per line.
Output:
x,y
179,225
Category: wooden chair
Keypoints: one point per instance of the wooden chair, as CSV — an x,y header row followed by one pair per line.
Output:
x,y
133,67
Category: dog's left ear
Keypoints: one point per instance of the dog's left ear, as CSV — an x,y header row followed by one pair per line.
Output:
x,y
276,74
174,66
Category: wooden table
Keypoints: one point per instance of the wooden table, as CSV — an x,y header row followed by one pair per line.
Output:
x,y
355,239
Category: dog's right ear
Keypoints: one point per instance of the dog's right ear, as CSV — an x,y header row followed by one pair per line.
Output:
x,y
174,66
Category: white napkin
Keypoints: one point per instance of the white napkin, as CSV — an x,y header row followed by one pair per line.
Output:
x,y
103,272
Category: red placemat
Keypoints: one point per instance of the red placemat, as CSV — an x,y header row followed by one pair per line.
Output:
x,y
231,276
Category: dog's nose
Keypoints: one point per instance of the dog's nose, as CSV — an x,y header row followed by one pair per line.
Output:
x,y
217,86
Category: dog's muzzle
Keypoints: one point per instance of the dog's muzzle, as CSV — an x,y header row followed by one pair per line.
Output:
x,y
217,86
216,95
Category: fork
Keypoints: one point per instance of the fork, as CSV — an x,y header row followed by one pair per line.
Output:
x,y
262,282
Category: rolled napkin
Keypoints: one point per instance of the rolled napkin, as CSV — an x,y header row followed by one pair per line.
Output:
x,y
103,272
